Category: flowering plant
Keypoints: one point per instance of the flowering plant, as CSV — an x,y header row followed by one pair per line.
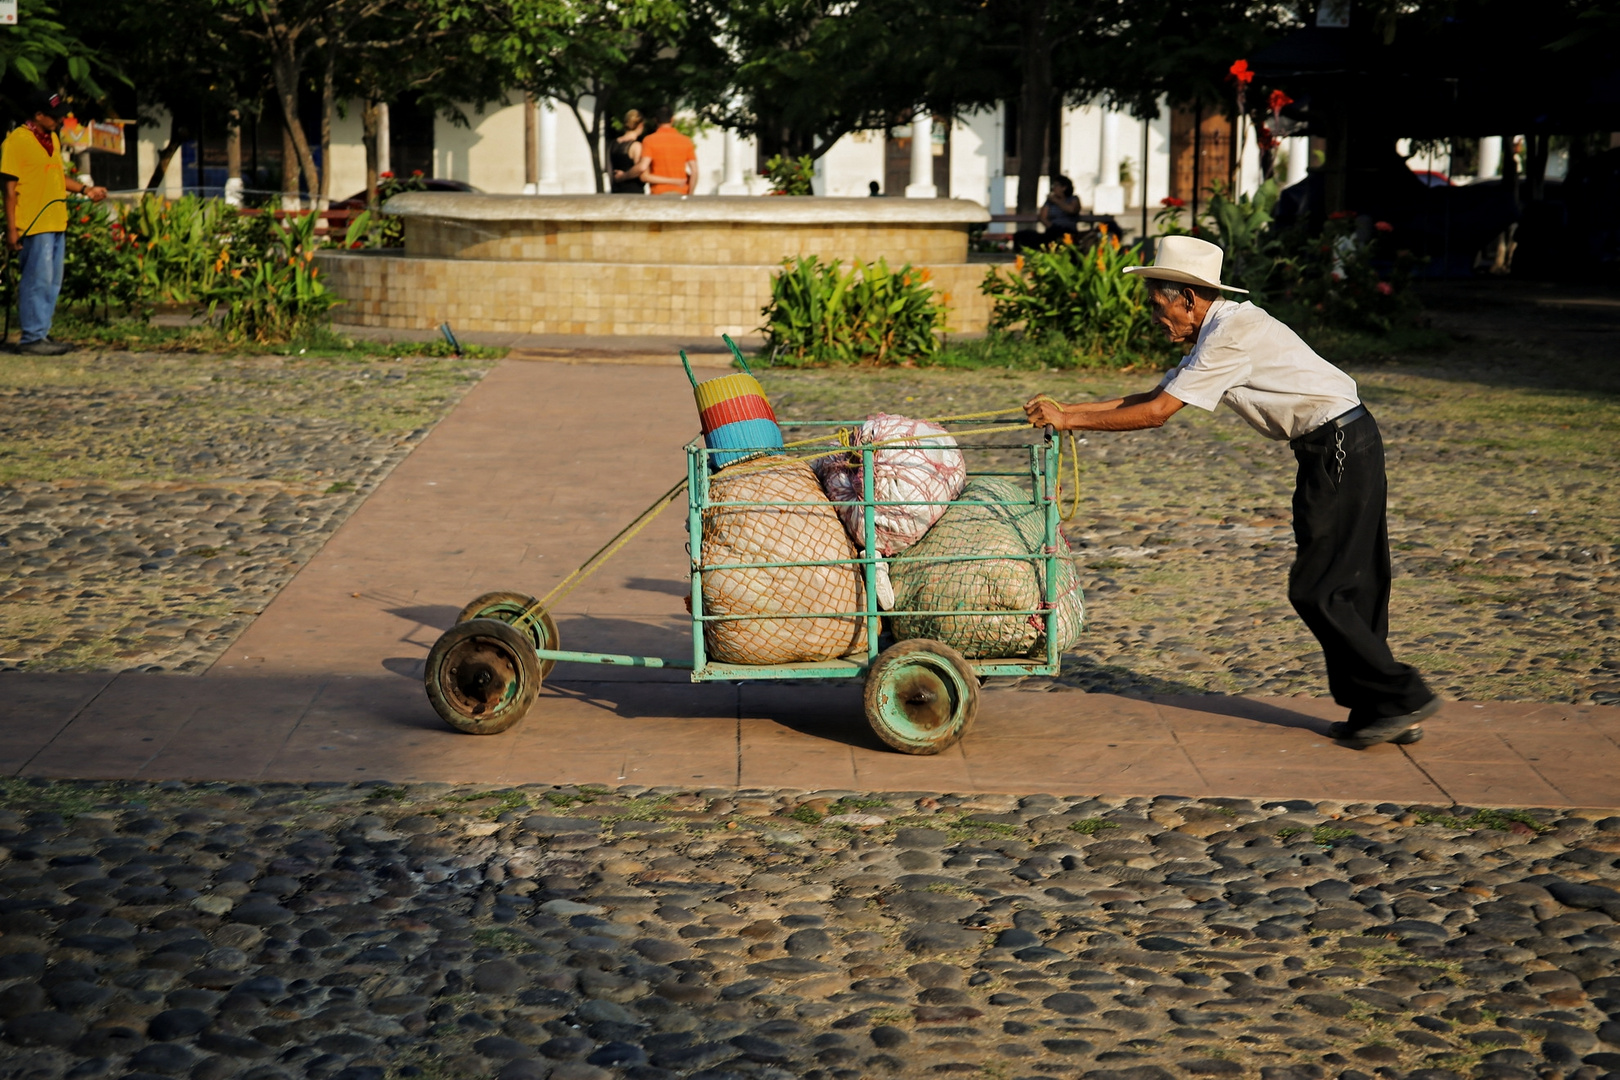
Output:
x,y
1078,293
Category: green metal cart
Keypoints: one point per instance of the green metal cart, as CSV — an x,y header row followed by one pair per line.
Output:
x,y
921,696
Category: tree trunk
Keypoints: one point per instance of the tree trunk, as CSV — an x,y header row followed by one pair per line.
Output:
x,y
284,67
289,170
233,146
1536,163
177,137
328,106
370,125
531,144
1034,103
593,133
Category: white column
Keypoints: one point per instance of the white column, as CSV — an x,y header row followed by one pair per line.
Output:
x,y
385,145
1490,158
732,182
922,157
1110,196
1299,159
549,184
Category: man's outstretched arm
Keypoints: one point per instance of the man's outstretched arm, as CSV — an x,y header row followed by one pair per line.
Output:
x,y
1132,413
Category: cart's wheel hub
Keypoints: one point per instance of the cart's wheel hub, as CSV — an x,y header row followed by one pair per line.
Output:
x,y
924,698
481,676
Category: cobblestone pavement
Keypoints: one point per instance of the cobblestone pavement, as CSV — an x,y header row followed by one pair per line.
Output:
x,y
1504,515
151,505
334,932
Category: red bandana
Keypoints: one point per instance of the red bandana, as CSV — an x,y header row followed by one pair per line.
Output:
x,y
43,136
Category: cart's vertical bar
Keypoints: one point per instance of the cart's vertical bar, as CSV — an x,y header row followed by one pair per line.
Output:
x,y
870,555
697,497
1049,490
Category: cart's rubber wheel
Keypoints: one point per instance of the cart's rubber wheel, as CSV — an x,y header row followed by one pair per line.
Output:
x,y
482,676
512,607
921,696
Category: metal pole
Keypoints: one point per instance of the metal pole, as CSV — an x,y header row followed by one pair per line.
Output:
x,y
697,496
1142,182
869,533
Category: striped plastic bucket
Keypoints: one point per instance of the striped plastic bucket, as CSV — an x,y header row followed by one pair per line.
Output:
x,y
737,419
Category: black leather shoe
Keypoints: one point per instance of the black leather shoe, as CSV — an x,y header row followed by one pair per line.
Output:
x,y
1401,730
45,347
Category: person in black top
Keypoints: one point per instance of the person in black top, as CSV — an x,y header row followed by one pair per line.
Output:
x,y
1060,213
625,156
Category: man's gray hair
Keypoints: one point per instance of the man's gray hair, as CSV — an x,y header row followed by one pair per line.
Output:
x,y
1166,287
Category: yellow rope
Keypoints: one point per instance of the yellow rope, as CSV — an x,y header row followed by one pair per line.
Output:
x,y
575,579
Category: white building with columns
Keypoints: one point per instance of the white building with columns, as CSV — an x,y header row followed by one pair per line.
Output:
x,y
1116,161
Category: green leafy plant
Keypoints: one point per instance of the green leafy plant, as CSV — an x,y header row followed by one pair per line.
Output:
x,y
1241,227
806,814
791,176
821,313
178,243
1342,278
101,263
1091,826
273,293
389,230
1078,293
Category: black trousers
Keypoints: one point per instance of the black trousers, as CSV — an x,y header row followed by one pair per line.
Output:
x,y
1339,583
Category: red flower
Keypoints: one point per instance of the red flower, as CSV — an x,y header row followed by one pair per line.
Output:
x,y
385,176
1385,288
1239,73
1383,226
1277,100
84,219
1171,200
1265,138
1341,215
416,172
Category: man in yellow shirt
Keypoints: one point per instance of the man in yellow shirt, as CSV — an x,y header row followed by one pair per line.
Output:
x,y
36,188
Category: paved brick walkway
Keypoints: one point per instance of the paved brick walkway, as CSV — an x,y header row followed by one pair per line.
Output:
x,y
541,463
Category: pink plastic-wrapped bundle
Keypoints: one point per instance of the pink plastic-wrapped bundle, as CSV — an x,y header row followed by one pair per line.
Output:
x,y
916,462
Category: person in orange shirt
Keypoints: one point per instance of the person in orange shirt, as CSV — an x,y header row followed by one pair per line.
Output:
x,y
668,158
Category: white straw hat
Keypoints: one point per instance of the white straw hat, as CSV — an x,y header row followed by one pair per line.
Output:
x,y
1187,259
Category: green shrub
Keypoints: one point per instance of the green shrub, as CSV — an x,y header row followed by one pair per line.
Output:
x,y
1077,293
270,287
1242,228
178,243
101,263
821,313
1334,279
791,176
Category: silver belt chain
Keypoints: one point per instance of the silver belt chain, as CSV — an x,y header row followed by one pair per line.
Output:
x,y
1338,452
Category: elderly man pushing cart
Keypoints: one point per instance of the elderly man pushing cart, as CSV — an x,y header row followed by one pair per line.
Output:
x,y
1261,369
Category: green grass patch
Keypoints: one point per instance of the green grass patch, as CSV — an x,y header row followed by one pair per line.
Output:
x,y
805,815
1501,820
505,940
387,794
1010,352
134,335
1091,826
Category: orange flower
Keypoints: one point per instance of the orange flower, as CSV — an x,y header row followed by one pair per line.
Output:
x,y
1068,238
1102,227
1018,264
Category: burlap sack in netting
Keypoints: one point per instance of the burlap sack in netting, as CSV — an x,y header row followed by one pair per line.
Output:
x,y
923,583
808,532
